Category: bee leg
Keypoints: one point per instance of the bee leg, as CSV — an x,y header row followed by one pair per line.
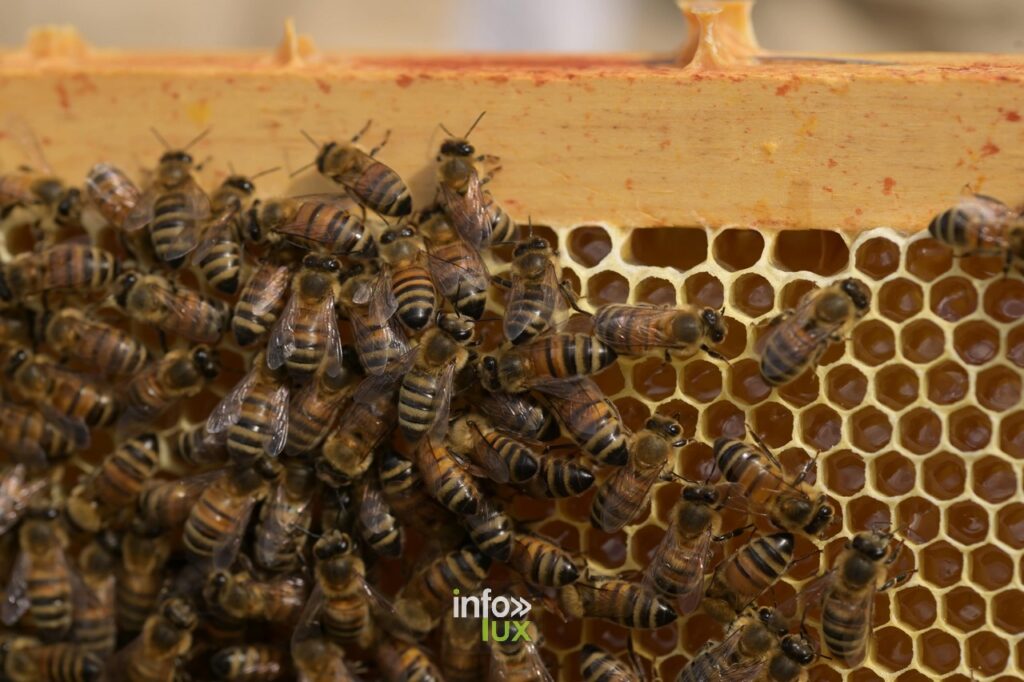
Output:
x,y
489,175
897,581
806,469
764,446
735,532
357,136
501,281
572,298
387,136
715,354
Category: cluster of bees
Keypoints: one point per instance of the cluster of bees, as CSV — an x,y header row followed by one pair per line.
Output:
x,y
375,434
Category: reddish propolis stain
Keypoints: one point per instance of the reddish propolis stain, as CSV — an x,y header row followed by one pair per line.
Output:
x,y
1012,116
989,149
629,184
782,90
887,185
832,163
324,86
62,97
859,211
403,80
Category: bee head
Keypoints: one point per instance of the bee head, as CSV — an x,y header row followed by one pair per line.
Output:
x,y
175,166
459,148
389,236
325,153
70,205
459,328
241,184
873,545
179,613
858,293
796,648
487,369
206,361
48,190
333,543
125,283
822,518
537,244
701,494
667,427
715,328
15,360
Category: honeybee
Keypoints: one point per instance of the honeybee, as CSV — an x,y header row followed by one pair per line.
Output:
x,y
447,481
375,521
742,655
24,659
62,267
15,493
284,519
371,305
314,409
41,381
140,578
462,652
677,569
220,516
502,457
114,484
166,637
41,581
348,450
474,213
518,660
625,493
95,627
342,590
152,299
490,529
96,344
249,663
307,331
597,665
426,390
794,505
242,597
541,562
35,437
197,448
544,363
788,662
254,414
558,477
535,291
640,329
517,413
847,593
615,600
219,254
400,660
456,267
798,338
179,375
591,421
431,587
746,574
164,505
172,207
404,490
112,192
318,660
981,224
371,183
50,203
410,280
261,302
316,222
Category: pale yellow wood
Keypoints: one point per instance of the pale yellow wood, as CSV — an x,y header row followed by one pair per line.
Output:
x,y
621,139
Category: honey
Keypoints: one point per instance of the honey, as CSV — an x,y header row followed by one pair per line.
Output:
x,y
999,388
916,608
993,479
953,298
844,472
990,567
987,652
667,247
846,386
900,299
822,252
942,564
895,648
874,342
967,522
753,295
746,382
1010,524
588,246
940,651
896,386
1004,300
821,427
702,381
736,249
704,290
970,429
976,342
947,383
774,424
927,259
655,291
1008,611
607,287
922,341
870,429
920,430
878,257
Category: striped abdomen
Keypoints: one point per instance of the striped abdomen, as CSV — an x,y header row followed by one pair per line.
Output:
x,y
377,524
382,190
95,624
637,329
559,477
677,571
109,349
596,665
449,483
564,356
381,346
172,231
625,603
260,304
221,265
195,317
60,662
346,615
418,401
542,563
461,277
48,588
752,570
462,569
844,624
595,426
739,463
531,312
789,349
120,477
321,224
490,529
213,518
137,594
90,404
76,266
112,192
618,500
249,435
414,292
520,460
249,663
311,414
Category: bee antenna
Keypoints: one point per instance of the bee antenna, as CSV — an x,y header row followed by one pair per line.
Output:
x,y
231,168
301,169
159,137
310,138
447,132
306,531
197,138
466,136
266,171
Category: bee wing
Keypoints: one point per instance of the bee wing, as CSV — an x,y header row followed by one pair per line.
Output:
x,y
198,208
332,338
814,592
25,450
307,627
690,598
273,289
227,410
494,466
383,303
444,398
744,671
75,430
530,667
371,389
282,339
632,480
550,296
225,552
142,212
216,231
621,329
279,421
394,338
468,212
16,601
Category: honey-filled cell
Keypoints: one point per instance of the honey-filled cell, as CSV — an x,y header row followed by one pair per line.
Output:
x,y
942,564
681,248
900,299
752,294
823,252
794,292
746,382
877,257
970,429
894,648
607,287
701,380
916,607
953,298
947,382
980,266
821,427
1015,345
994,479
735,338
738,249
1004,299
928,258
991,568
844,472
919,518
922,341
589,245
976,342
896,386
634,412
773,423
655,291
654,379
999,388
867,513
920,430
912,676
1010,524
724,419
870,429
967,522
704,290
1008,611
1011,435
864,675
940,651
987,653
873,342
846,385
607,549
610,380
944,475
